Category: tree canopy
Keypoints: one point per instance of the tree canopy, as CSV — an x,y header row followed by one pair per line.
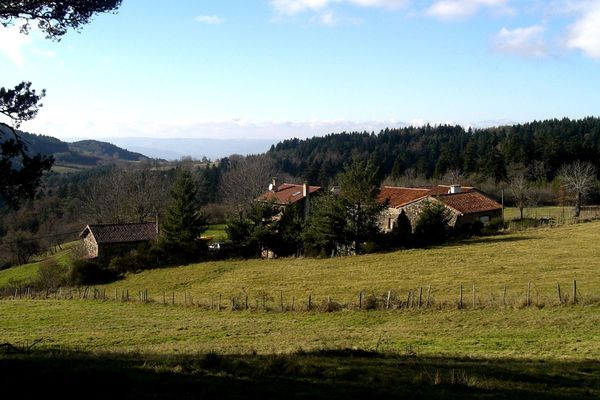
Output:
x,y
54,18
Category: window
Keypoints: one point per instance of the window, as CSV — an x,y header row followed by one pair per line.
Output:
x,y
485,219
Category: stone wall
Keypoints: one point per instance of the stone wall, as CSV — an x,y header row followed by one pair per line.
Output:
x,y
90,247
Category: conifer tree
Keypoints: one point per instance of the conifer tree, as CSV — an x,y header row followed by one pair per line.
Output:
x,y
185,223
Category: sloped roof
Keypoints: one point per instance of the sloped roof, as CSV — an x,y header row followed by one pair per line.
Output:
x,y
287,193
121,233
400,196
469,202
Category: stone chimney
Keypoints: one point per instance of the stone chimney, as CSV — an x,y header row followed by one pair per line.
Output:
x,y
306,193
274,183
455,189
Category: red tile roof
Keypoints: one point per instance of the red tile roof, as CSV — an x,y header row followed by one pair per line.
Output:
x,y
287,193
469,202
121,233
399,196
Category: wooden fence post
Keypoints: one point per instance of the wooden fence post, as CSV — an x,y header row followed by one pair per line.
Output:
x,y
281,300
309,302
574,291
474,297
420,297
360,297
428,294
387,302
504,296
460,300
219,305
528,293
559,294
293,301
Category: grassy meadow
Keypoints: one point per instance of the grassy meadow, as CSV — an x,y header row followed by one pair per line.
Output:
x,y
545,351
543,257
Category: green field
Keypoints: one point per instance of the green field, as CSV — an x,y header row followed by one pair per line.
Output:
x,y
490,351
216,232
543,257
26,272
560,214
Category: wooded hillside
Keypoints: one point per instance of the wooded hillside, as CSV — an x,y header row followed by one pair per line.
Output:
x,y
433,151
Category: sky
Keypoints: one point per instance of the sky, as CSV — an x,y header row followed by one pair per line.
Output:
x,y
299,68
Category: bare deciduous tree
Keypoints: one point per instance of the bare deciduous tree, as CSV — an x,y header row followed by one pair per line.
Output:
x,y
520,187
246,178
125,196
578,178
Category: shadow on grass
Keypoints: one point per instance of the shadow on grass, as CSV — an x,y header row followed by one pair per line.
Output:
x,y
492,239
338,374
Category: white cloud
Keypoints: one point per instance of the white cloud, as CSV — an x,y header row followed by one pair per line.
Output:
x,y
13,43
458,9
209,19
527,42
292,7
584,34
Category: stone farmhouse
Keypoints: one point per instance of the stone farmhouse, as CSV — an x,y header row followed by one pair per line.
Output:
x,y
104,241
466,204
289,193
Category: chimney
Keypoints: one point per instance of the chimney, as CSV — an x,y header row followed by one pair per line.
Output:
x,y
455,189
306,200
156,221
274,183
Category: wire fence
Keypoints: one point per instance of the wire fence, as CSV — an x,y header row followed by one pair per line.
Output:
x,y
421,298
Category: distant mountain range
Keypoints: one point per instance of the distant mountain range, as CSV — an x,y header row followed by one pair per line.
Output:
x,y
84,153
175,148
89,153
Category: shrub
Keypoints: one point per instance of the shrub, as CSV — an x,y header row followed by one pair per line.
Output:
x,y
50,275
89,272
431,226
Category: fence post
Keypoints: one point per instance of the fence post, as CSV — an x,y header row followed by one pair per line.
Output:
x,y
528,293
428,294
460,300
574,291
246,301
504,296
360,297
387,302
559,294
293,301
474,297
173,298
420,297
281,300
309,302
219,305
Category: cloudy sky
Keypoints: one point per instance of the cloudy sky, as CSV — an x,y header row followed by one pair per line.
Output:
x,y
280,68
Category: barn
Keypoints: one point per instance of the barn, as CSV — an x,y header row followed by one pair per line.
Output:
x,y
104,241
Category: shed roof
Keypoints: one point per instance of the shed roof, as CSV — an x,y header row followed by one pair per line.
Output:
x,y
287,193
469,202
121,233
400,196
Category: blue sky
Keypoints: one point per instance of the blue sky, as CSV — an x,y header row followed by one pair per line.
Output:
x,y
280,68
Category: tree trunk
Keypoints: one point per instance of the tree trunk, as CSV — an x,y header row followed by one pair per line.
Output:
x,y
578,205
521,211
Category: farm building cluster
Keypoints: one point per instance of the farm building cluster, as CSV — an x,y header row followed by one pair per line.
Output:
x,y
466,205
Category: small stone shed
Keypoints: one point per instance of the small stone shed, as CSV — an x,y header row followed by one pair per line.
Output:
x,y
104,241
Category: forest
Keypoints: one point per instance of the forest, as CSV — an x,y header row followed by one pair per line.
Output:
x,y
432,151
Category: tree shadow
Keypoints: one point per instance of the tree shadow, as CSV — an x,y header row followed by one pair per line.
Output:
x,y
337,374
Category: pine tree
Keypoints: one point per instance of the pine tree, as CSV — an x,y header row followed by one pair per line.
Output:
x,y
185,223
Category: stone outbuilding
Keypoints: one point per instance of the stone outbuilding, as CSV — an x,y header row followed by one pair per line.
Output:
x,y
104,241
466,204
289,193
